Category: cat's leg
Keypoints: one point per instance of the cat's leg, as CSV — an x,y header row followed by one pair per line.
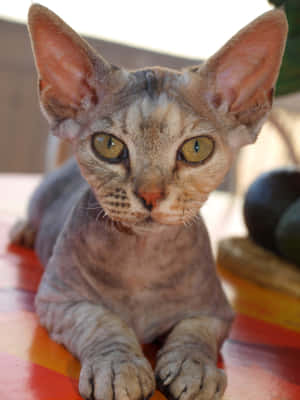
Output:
x,y
186,365
22,233
113,366
61,183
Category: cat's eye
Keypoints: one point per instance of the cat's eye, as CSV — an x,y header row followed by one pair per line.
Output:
x,y
108,147
196,150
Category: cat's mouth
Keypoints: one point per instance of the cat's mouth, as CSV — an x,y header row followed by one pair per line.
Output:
x,y
148,223
156,220
149,220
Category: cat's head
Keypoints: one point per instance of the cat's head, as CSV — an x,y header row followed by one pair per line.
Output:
x,y
153,143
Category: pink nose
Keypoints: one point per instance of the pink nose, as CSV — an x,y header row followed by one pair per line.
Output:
x,y
150,196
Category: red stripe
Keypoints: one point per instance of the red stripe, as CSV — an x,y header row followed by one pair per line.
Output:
x,y
250,330
283,362
22,380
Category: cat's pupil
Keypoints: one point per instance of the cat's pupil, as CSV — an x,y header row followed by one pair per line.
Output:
x,y
196,146
110,142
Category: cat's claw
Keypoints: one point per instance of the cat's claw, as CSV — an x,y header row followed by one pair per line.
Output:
x,y
118,377
189,378
22,234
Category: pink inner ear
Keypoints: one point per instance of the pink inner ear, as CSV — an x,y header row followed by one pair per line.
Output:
x,y
62,61
246,68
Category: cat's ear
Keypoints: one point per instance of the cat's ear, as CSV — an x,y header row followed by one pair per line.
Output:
x,y
71,75
241,76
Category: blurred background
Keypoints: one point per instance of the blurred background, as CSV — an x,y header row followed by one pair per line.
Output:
x,y
133,34
193,29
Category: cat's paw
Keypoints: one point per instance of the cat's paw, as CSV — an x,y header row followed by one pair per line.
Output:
x,y
119,376
186,377
22,234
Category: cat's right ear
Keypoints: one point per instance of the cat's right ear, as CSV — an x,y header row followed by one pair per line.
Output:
x,y
72,77
240,78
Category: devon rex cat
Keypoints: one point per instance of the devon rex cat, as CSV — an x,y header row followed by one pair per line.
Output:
x,y
124,263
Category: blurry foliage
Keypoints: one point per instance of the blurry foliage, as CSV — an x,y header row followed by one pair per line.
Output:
x,y
289,77
277,3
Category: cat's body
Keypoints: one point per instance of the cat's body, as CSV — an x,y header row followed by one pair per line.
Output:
x,y
127,256
57,195
151,293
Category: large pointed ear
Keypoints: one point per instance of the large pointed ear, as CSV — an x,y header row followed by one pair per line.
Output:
x,y
240,78
69,70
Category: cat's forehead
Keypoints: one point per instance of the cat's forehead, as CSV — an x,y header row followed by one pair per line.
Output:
x,y
153,81
151,105
150,116
153,87
161,117
153,101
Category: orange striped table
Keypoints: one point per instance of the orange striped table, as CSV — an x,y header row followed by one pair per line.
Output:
x,y
261,356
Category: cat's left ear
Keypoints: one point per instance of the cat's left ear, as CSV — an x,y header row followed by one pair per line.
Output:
x,y
72,76
240,78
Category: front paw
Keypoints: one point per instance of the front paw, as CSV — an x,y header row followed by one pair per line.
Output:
x,y
186,377
119,376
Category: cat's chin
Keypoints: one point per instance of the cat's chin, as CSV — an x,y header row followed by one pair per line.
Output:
x,y
148,224
154,222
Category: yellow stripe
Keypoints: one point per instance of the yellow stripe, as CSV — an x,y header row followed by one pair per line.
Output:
x,y
22,336
262,303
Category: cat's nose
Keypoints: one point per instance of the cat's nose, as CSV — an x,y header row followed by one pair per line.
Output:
x,y
150,196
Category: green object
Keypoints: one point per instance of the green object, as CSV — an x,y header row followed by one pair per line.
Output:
x,y
277,3
288,233
289,77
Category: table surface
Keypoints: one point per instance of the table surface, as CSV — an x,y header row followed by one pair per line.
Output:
x,y
261,356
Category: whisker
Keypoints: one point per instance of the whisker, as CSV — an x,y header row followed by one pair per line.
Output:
x,y
190,216
91,208
100,214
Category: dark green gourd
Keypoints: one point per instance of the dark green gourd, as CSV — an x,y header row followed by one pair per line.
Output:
x,y
266,202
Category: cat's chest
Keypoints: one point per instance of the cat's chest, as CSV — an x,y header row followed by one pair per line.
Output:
x,y
150,280
144,264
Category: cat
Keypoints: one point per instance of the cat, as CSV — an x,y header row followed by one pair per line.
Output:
x,y
127,257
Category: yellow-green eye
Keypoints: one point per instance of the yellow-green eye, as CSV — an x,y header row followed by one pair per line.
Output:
x,y
196,150
108,147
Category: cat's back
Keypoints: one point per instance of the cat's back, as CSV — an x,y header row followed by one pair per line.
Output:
x,y
51,204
